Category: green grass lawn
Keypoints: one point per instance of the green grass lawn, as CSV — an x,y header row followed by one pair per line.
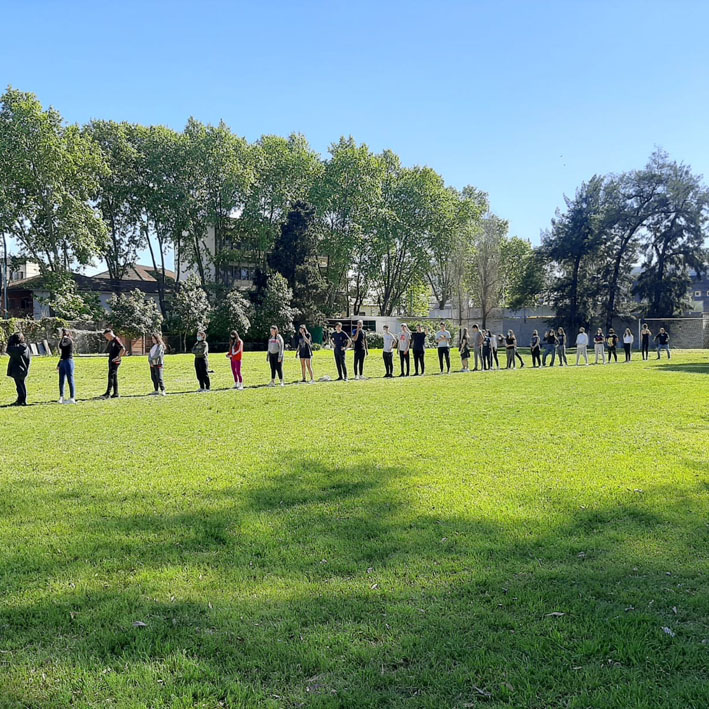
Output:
x,y
532,538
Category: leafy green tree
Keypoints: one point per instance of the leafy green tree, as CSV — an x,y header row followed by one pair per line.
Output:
x,y
67,302
523,274
49,175
191,310
134,314
233,312
272,306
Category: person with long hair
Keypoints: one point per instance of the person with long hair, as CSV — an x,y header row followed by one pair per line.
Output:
x,y
18,366
464,349
627,343
361,349
510,347
274,355
612,341
65,367
404,345
494,342
599,346
235,354
418,340
561,347
581,346
549,347
535,348
200,350
304,352
476,340
116,350
645,335
156,360
487,349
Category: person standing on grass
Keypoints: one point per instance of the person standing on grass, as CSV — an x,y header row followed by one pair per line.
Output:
x,y
418,340
200,350
612,341
662,339
464,349
404,345
305,352
156,360
65,367
599,346
340,342
361,350
494,341
518,355
535,348
116,350
477,342
627,343
18,367
549,347
581,346
388,352
561,347
511,348
443,340
235,356
487,349
645,335
274,356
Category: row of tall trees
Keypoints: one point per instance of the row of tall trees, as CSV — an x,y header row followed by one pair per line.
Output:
x,y
628,238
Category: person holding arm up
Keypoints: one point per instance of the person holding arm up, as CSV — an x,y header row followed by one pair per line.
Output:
x,y
361,350
65,367
404,346
274,355
304,352
156,360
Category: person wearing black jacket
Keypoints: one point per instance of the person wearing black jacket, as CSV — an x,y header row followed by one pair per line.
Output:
x,y
418,345
535,347
340,342
116,350
19,365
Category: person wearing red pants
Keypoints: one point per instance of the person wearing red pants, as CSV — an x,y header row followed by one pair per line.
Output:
x,y
236,350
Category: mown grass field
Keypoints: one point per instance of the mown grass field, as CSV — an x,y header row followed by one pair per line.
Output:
x,y
533,538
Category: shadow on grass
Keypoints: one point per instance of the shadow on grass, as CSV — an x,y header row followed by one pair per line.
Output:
x,y
686,367
320,586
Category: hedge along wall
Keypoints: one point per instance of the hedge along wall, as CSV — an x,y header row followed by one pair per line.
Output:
x,y
86,340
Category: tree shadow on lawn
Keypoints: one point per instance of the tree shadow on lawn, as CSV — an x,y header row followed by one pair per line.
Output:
x,y
321,586
686,367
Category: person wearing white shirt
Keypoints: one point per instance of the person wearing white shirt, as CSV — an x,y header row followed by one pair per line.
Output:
x,y
403,345
443,340
387,352
628,343
581,346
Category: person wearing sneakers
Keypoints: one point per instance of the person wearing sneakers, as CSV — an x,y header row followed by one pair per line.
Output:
x,y
65,367
156,360
404,344
418,345
274,356
116,350
443,340
581,346
304,351
388,341
200,350
236,350
361,350
599,346
340,342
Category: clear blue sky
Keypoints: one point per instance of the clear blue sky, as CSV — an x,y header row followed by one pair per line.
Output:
x,y
521,99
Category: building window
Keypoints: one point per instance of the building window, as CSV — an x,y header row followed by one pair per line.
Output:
x,y
697,294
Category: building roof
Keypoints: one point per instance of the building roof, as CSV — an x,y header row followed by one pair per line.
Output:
x,y
137,272
91,284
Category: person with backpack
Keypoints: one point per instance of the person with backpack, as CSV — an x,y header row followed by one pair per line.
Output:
x,y
561,347
627,343
116,350
581,346
535,348
304,352
404,345
361,349
418,340
599,346
65,367
274,355
200,350
388,342
645,335
235,356
662,339
156,360
464,349
612,341
340,342
443,341
18,366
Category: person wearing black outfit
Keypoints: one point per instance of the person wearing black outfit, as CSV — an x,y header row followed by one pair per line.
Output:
x,y
535,347
662,339
487,349
549,347
304,352
340,342
19,365
116,350
65,367
612,341
418,345
359,342
645,335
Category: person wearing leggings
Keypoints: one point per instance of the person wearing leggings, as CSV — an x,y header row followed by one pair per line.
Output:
x,y
443,340
65,367
494,339
511,348
404,345
645,335
200,350
612,341
627,343
274,355
561,347
418,340
235,355
388,352
340,342
487,356
359,340
535,347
